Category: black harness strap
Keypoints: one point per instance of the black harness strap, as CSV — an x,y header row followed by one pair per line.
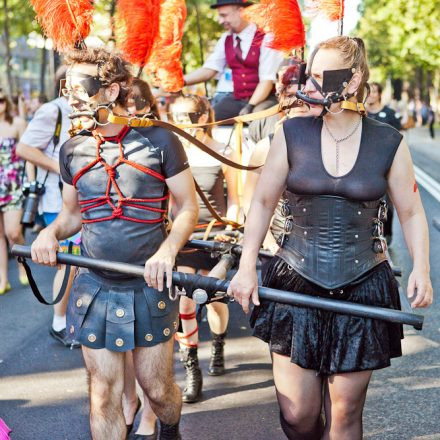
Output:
x,y
34,286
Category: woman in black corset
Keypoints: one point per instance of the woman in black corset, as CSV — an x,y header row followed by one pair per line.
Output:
x,y
211,176
336,167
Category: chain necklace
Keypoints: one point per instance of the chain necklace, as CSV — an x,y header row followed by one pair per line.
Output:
x,y
338,141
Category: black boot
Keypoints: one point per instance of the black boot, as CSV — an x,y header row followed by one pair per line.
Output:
x,y
194,380
217,363
169,432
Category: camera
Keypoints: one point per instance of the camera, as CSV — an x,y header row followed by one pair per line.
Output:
x,y
32,192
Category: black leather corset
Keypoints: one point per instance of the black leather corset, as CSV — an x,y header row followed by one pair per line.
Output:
x,y
331,240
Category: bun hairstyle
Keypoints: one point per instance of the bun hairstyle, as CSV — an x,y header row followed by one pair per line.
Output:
x,y
198,104
353,55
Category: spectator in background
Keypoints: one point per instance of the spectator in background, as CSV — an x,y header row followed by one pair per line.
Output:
x,y
38,146
11,198
431,120
377,110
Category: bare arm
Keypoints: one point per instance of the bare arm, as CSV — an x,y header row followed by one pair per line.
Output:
x,y
261,92
186,212
403,191
268,192
37,157
200,75
231,176
67,223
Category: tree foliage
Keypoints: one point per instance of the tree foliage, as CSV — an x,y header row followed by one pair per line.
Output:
x,y
401,36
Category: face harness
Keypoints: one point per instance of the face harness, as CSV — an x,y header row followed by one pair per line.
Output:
x,y
333,84
91,86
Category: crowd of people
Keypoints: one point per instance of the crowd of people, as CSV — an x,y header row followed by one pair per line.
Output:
x,y
105,179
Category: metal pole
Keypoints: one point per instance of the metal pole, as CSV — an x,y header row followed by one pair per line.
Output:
x,y
215,285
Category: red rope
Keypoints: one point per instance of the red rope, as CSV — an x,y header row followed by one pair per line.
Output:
x,y
117,210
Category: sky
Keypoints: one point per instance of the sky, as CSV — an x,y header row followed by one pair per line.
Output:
x,y
322,29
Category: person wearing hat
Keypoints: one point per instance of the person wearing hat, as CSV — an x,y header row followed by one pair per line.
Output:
x,y
242,48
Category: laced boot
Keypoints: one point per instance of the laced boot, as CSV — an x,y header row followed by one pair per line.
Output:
x,y
169,432
217,363
194,380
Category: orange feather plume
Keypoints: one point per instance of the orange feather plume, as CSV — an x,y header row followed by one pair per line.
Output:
x,y
66,22
333,10
137,27
165,62
283,19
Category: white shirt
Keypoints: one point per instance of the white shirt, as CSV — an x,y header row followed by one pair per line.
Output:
x,y
270,59
39,134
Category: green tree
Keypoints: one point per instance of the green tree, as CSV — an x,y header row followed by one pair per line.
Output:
x,y
403,39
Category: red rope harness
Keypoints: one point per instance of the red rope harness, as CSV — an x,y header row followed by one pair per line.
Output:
x,y
117,209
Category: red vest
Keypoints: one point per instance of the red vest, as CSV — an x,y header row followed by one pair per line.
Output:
x,y
244,72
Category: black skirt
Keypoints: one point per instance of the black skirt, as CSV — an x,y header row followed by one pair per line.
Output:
x,y
328,342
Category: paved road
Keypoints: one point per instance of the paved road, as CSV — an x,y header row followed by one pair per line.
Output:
x,y
43,393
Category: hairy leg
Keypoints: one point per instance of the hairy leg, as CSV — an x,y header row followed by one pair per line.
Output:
x,y
3,255
154,372
344,402
106,382
299,393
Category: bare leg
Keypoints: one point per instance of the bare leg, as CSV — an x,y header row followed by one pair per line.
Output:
x,y
299,393
14,232
154,372
129,397
218,317
60,308
106,383
187,309
148,419
344,402
3,255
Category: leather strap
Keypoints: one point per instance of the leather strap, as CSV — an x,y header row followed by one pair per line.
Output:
x,y
34,286
142,122
212,211
354,106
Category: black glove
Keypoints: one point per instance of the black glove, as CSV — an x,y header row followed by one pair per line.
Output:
x,y
248,108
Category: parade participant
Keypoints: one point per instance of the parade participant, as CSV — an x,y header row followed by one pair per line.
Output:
x,y
140,102
11,197
117,183
336,166
210,175
40,145
244,50
377,110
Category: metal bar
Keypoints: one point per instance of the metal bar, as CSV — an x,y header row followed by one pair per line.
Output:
x,y
214,284
218,246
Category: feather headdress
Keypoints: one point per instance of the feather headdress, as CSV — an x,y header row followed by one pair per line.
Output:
x,y
137,27
66,22
283,19
333,10
165,62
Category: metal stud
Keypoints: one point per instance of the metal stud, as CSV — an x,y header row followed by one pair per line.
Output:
x,y
175,325
331,292
161,305
148,337
305,232
356,236
302,260
120,313
79,302
72,329
356,261
359,212
304,209
91,337
166,331
119,342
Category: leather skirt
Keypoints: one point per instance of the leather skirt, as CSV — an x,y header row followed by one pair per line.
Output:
x,y
119,315
324,341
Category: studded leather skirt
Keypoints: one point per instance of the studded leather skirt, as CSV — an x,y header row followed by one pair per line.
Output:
x,y
119,315
324,341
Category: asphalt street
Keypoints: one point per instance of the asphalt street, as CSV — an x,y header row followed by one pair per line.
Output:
x,y
43,390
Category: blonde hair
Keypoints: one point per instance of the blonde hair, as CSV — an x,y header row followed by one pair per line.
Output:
x,y
199,104
353,55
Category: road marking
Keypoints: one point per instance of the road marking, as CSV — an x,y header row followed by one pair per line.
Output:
x,y
429,184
